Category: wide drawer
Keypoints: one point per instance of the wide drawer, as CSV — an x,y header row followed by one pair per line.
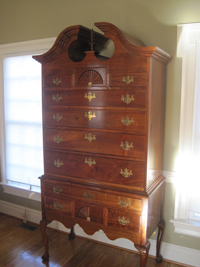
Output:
x,y
108,170
63,190
101,98
95,142
107,119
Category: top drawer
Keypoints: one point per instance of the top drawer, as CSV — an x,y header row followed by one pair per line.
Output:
x,y
128,79
57,80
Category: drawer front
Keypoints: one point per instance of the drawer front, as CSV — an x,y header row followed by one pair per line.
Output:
x,y
108,170
123,220
57,80
57,189
95,142
89,213
99,98
107,119
120,79
93,77
58,205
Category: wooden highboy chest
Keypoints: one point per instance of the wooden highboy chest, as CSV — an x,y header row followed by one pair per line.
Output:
x,y
103,122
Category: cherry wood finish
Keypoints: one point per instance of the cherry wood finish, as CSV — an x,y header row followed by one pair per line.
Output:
x,y
103,121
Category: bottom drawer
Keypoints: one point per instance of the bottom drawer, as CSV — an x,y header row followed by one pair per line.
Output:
x,y
59,205
120,219
89,213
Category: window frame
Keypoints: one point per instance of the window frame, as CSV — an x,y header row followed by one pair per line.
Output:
x,y
33,47
187,37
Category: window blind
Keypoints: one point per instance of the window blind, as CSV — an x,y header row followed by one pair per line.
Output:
x,y
194,196
23,120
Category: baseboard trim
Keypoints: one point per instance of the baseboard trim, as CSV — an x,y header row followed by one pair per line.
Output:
x,y
169,252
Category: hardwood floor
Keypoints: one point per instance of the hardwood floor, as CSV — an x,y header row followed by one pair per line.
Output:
x,y
23,248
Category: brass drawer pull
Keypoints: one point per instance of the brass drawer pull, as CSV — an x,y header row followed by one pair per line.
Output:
x,y
89,137
57,81
57,98
88,219
57,117
90,162
57,189
57,139
127,79
123,221
88,195
89,115
126,145
123,203
58,163
57,205
90,96
126,121
127,99
126,173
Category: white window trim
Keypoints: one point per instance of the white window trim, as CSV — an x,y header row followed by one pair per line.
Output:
x,y
187,34
8,50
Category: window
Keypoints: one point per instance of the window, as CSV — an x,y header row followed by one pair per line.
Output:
x,y
187,204
21,148
23,121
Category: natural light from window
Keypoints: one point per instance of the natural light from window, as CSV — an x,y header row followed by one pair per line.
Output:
x,y
23,121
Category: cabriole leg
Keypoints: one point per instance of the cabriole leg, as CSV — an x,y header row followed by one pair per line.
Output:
x,y
43,226
159,239
144,252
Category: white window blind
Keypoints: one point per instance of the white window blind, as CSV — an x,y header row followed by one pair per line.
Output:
x,y
23,121
187,202
193,206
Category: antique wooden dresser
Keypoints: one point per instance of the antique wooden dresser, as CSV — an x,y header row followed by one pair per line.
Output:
x,y
103,121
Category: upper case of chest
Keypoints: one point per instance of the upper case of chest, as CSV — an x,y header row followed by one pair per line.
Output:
x,y
103,118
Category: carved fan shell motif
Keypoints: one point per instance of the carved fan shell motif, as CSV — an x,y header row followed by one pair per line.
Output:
x,y
90,76
86,212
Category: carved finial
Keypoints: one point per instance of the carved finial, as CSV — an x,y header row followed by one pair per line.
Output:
x,y
92,40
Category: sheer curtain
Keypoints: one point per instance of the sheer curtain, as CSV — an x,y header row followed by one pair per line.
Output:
x,y
23,121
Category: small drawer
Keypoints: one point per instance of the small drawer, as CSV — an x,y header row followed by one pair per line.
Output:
x,y
128,79
123,220
87,195
58,205
57,80
89,213
92,77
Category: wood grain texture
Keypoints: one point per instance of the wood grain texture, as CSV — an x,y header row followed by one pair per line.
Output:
x,y
21,248
121,101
